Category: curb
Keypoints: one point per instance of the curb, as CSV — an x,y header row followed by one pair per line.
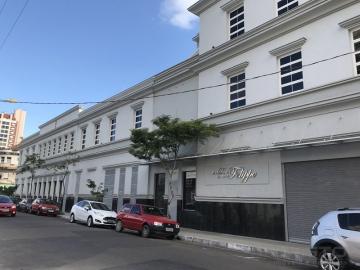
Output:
x,y
254,250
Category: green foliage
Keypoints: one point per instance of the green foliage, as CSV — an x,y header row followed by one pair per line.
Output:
x,y
8,191
164,142
32,163
96,191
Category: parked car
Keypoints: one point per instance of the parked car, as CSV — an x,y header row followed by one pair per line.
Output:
x,y
7,207
147,220
44,207
335,239
92,213
24,205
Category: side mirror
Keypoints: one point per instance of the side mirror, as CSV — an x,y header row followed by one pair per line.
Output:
x,y
87,208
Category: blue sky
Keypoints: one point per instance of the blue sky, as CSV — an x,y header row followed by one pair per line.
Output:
x,y
80,50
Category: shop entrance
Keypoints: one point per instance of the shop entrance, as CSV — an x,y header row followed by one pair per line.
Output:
x,y
189,190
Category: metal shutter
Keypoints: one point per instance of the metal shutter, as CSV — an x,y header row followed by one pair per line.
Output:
x,y
313,188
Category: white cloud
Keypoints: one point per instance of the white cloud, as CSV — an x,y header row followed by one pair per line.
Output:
x,y
175,12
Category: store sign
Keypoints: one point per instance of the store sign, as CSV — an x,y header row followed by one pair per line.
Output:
x,y
235,173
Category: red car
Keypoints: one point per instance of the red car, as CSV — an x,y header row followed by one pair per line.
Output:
x,y
7,207
44,207
147,220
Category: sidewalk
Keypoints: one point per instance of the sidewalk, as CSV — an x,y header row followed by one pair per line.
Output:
x,y
299,253
293,252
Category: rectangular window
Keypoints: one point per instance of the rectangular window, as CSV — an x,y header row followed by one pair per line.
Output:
x,y
59,145
72,135
237,91
65,142
291,73
54,147
350,222
44,150
237,22
138,118
83,138
286,5
112,129
356,42
97,133
49,149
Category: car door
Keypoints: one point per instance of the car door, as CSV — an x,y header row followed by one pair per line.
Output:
x,y
350,232
76,210
124,215
35,205
134,219
83,212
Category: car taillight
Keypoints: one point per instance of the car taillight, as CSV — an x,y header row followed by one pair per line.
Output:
x,y
314,230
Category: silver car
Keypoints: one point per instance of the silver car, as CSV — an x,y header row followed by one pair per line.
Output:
x,y
335,239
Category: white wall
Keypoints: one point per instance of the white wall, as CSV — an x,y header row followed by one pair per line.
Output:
x,y
321,36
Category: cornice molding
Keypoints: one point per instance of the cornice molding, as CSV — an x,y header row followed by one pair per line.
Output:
x,y
137,105
288,48
351,23
232,5
201,5
236,69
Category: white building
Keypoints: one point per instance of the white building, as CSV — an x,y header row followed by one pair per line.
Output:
x,y
281,81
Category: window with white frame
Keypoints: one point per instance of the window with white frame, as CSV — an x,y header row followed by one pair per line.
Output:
x,y
97,133
65,142
291,73
112,129
138,118
72,136
237,22
49,149
59,145
237,91
54,147
286,5
356,42
44,150
40,149
83,138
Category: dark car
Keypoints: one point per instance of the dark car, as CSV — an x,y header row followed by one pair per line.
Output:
x,y
147,220
24,205
7,207
44,207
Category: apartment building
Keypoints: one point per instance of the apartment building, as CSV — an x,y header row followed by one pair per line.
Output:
x,y
280,80
11,134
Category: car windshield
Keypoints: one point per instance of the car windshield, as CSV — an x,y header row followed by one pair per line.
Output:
x,y
100,206
47,202
5,199
151,210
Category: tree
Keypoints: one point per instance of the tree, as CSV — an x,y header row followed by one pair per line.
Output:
x,y
32,164
63,168
8,191
164,144
96,191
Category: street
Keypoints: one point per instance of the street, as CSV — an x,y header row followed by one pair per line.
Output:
x,y
33,242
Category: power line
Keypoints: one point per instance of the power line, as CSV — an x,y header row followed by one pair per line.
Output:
x,y
169,94
14,24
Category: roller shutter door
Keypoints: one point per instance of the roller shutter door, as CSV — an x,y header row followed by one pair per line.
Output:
x,y
316,187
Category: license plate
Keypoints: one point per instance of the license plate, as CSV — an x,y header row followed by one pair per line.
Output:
x,y
4,210
51,211
169,229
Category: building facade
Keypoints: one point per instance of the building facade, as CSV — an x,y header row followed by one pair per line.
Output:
x,y
11,134
279,79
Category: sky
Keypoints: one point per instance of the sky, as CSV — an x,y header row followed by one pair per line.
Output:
x,y
87,50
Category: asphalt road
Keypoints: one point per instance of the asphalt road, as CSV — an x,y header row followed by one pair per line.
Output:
x,y
36,243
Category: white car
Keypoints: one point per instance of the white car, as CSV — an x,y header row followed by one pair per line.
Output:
x,y
92,213
335,239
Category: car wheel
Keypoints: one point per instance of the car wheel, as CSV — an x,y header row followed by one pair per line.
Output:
x,y
118,226
145,232
90,222
72,218
330,259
